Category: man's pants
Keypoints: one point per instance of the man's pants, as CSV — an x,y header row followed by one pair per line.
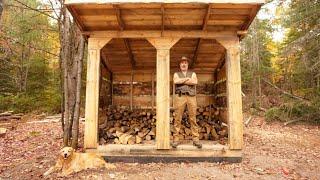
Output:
x,y
179,104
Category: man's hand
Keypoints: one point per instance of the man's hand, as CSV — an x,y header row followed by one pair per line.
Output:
x,y
190,81
186,80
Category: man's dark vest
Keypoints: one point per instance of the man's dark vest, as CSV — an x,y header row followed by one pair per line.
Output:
x,y
184,88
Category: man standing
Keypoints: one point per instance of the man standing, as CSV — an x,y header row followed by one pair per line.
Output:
x,y
185,94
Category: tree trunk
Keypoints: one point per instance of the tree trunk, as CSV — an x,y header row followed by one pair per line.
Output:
x,y
71,59
79,58
1,8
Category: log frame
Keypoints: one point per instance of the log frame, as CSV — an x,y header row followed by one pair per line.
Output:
x,y
163,46
163,39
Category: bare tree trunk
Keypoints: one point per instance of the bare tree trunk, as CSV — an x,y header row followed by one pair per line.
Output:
x,y
256,66
65,56
75,129
71,57
1,8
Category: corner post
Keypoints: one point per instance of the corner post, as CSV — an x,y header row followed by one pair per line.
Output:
x,y
163,46
92,92
234,99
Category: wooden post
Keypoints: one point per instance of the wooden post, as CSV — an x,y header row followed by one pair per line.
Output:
x,y
92,92
152,90
111,79
173,91
131,90
163,46
234,100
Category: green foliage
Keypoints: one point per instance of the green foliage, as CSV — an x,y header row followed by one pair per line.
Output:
x,y
274,113
291,65
47,101
28,65
292,110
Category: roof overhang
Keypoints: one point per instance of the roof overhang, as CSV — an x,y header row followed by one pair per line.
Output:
x,y
215,15
197,22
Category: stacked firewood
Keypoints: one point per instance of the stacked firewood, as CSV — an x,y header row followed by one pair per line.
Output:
x,y
124,126
8,115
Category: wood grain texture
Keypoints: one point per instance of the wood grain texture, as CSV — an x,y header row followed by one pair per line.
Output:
x,y
234,99
92,91
163,46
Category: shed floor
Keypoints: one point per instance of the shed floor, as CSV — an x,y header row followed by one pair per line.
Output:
x,y
146,153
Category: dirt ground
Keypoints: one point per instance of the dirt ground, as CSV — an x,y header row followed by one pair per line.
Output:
x,y
272,151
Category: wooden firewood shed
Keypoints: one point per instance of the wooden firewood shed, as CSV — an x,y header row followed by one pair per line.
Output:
x,y
141,41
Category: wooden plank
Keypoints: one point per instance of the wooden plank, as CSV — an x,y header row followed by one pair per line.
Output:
x,y
68,2
146,153
126,41
138,101
162,18
111,78
152,91
77,20
163,46
234,99
157,34
92,92
250,18
131,90
163,113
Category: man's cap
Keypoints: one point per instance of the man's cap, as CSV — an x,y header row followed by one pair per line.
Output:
x,y
184,58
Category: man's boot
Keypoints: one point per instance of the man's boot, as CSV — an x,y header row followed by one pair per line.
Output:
x,y
174,144
197,144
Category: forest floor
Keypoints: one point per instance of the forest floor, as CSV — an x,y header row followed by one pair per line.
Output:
x,y
272,151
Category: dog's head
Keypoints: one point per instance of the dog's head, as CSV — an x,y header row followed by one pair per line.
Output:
x,y
66,152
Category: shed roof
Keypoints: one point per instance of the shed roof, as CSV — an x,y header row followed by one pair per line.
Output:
x,y
163,15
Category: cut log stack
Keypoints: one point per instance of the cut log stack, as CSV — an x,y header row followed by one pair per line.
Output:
x,y
8,115
124,126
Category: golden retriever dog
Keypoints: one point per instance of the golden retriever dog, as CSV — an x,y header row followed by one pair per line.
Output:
x,y
70,161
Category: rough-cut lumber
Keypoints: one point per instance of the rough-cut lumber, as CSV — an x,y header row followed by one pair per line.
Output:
x,y
92,91
163,46
68,2
158,34
234,100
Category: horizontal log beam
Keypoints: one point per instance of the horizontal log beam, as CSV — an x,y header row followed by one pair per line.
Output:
x,y
157,34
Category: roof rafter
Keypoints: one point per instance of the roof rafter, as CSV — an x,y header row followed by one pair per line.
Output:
x,y
162,18
125,40
204,27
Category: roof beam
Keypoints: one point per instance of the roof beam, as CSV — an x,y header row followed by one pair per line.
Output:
x,y
162,18
204,27
125,40
167,1
157,34
249,20
105,62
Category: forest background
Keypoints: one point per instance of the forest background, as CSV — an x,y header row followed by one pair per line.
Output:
x,y
280,59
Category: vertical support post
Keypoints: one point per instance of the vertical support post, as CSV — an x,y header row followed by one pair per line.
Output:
x,y
173,92
163,46
111,79
152,91
234,99
131,90
92,92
